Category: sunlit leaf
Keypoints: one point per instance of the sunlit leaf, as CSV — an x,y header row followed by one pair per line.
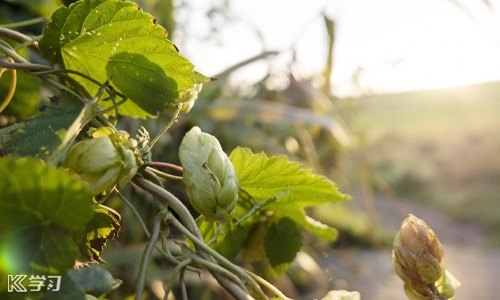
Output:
x,y
39,209
111,39
104,225
264,177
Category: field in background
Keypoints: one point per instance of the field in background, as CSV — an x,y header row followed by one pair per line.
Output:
x,y
440,148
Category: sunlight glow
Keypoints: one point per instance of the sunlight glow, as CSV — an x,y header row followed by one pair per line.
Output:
x,y
380,46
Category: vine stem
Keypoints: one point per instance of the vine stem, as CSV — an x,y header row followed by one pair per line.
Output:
x,y
165,175
190,229
141,280
164,165
12,87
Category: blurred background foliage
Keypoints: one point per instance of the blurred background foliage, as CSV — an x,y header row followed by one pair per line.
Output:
x,y
438,149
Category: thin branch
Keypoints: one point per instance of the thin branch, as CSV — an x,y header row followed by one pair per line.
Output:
x,y
164,165
167,127
141,280
18,37
164,175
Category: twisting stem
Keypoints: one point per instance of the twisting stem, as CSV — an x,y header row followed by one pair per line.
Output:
x,y
146,258
171,201
12,88
191,230
205,249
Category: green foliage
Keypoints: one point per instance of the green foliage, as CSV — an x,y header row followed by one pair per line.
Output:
x,y
40,207
105,224
282,242
270,209
47,135
93,280
111,39
109,59
263,177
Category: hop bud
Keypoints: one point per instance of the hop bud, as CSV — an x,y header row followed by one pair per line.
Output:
x,y
418,258
107,159
186,99
209,176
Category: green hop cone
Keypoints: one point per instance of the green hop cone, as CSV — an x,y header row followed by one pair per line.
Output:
x,y
210,179
107,159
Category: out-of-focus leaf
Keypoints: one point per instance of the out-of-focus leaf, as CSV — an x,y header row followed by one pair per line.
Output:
x,y
94,280
40,207
40,7
111,39
271,113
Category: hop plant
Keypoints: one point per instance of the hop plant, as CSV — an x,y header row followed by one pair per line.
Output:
x,y
108,158
210,179
418,259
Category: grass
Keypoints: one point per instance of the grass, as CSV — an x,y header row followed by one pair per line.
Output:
x,y
437,147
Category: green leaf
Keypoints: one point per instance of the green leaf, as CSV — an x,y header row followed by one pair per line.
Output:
x,y
47,135
230,242
104,225
111,39
94,280
265,177
282,242
39,209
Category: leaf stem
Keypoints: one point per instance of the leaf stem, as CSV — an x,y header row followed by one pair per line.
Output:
x,y
167,127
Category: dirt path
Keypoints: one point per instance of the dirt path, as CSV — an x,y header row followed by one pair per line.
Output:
x,y
371,273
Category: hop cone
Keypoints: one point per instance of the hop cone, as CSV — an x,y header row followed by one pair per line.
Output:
x,y
418,259
107,159
209,176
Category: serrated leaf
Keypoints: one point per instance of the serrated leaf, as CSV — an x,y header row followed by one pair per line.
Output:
x,y
111,39
46,135
40,207
104,225
282,242
264,177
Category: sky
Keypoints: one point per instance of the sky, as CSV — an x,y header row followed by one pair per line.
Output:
x,y
391,45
